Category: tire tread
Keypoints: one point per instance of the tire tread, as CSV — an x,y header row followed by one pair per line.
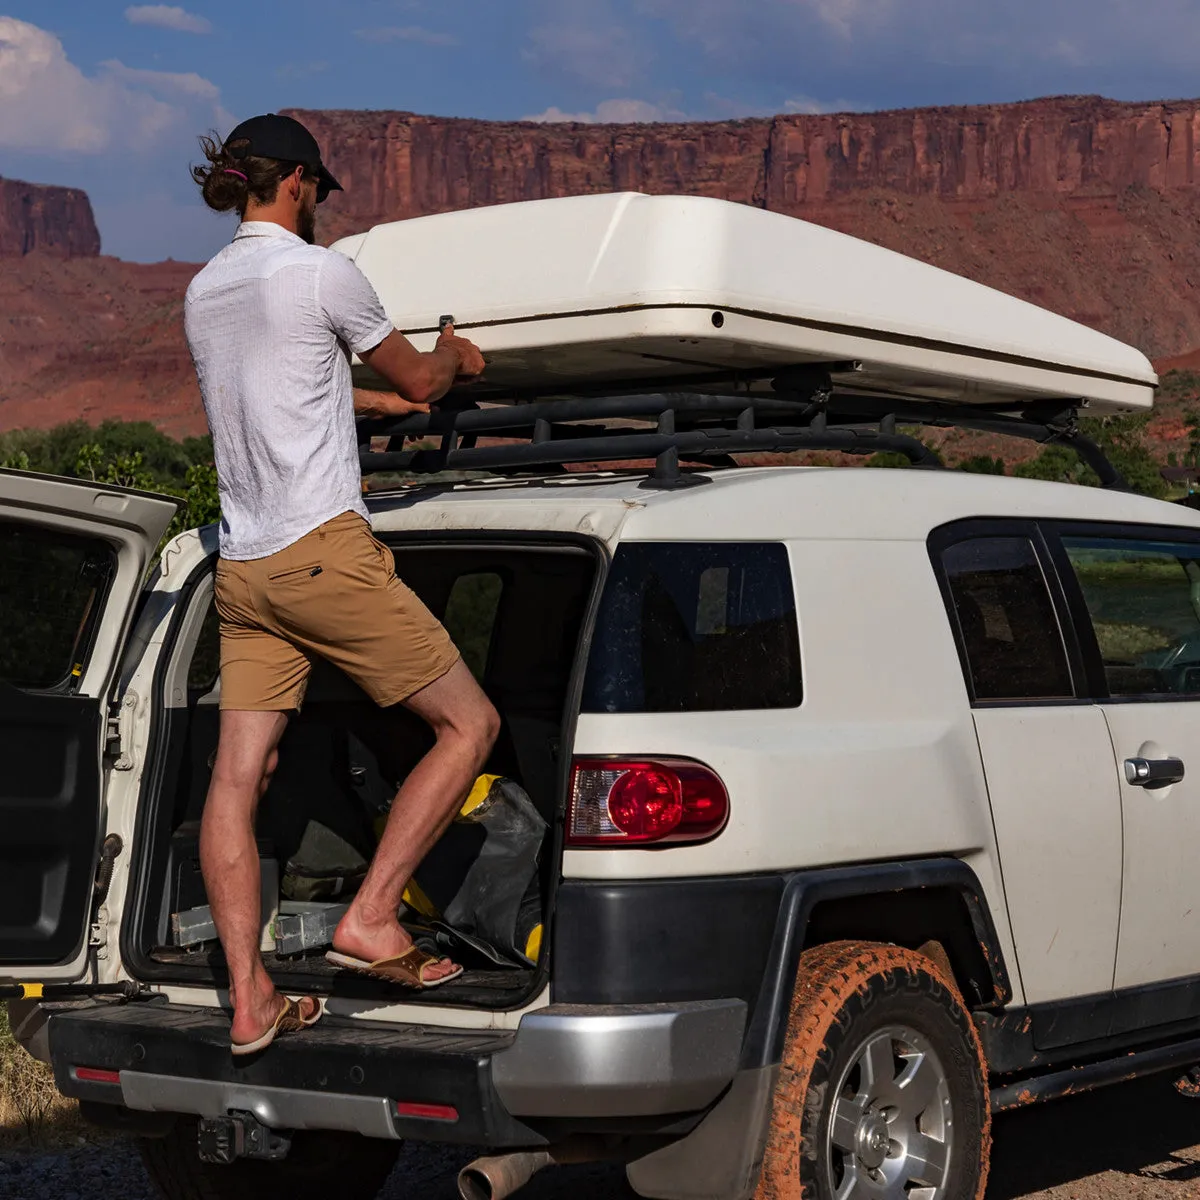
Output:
x,y
829,980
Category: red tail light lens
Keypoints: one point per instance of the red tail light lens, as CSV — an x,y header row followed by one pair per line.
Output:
x,y
646,804
95,1075
426,1112
620,802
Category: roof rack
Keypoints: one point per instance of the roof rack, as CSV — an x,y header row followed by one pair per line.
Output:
x,y
802,411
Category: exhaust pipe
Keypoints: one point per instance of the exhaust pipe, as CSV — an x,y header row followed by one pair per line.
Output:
x,y
497,1178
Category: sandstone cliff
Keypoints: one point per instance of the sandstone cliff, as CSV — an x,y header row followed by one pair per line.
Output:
x,y
397,164
54,219
1088,206
92,338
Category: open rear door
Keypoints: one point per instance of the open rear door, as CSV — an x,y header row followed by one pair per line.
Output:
x,y
73,558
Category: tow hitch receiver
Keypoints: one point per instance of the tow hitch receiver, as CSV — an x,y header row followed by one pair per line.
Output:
x,y
240,1135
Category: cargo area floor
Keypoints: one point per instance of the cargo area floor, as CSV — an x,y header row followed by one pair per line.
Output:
x,y
499,988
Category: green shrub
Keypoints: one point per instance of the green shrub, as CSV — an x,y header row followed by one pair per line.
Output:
x,y
983,464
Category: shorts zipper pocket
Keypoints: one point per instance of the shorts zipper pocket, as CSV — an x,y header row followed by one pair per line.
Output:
x,y
295,573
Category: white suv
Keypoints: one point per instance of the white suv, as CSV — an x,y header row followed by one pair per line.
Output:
x,y
865,797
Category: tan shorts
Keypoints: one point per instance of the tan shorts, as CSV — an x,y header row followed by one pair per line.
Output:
x,y
333,595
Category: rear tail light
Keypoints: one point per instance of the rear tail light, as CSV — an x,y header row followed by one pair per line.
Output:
x,y
426,1112
95,1075
662,801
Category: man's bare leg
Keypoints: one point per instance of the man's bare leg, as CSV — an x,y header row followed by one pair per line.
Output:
x,y
246,758
466,725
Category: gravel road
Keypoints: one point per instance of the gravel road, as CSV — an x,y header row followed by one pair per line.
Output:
x,y
1140,1141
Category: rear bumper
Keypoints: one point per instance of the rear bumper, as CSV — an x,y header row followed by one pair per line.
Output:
x,y
566,1067
621,1061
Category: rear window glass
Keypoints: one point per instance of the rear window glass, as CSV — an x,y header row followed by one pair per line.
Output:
x,y
695,627
52,590
1006,621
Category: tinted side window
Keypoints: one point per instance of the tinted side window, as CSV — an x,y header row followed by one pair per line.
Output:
x,y
1144,601
693,627
470,617
1007,626
52,590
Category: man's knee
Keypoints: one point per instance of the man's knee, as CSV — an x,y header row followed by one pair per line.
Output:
x,y
488,725
476,722
237,773
247,752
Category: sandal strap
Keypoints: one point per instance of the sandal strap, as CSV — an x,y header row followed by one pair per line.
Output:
x,y
408,967
291,1017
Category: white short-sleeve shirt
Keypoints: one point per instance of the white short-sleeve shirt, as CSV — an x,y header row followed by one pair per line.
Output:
x,y
271,322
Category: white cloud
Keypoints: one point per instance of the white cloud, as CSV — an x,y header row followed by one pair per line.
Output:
x,y
612,112
809,106
407,33
181,83
715,107
184,86
847,17
167,16
48,104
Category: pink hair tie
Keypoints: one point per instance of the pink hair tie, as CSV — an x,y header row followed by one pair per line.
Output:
x,y
231,171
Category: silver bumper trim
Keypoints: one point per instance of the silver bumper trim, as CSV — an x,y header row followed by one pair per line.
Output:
x,y
621,1060
566,1061
277,1108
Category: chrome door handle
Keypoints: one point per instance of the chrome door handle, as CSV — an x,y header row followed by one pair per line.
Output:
x,y
1153,772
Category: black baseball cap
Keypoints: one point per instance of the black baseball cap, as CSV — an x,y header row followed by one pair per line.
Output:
x,y
284,138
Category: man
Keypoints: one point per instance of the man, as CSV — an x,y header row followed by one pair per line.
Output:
x,y
271,322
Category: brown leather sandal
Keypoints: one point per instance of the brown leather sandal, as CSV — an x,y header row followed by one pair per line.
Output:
x,y
407,969
291,1019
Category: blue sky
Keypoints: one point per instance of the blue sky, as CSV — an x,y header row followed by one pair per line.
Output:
x,y
110,96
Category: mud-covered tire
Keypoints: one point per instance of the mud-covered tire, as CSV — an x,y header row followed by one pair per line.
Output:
x,y
853,1002
320,1166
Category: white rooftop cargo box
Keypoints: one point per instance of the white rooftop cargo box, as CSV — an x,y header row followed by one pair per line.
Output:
x,y
647,291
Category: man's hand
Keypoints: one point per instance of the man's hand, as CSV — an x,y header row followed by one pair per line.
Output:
x,y
470,361
384,404
421,379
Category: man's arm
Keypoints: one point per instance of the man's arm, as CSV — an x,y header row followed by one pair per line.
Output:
x,y
421,379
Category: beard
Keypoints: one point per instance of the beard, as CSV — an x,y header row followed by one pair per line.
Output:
x,y
307,223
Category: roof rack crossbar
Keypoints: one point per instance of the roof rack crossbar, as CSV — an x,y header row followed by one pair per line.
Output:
x,y
700,427
512,420
622,446
516,420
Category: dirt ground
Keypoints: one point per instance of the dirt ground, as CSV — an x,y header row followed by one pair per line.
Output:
x,y
1140,1141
